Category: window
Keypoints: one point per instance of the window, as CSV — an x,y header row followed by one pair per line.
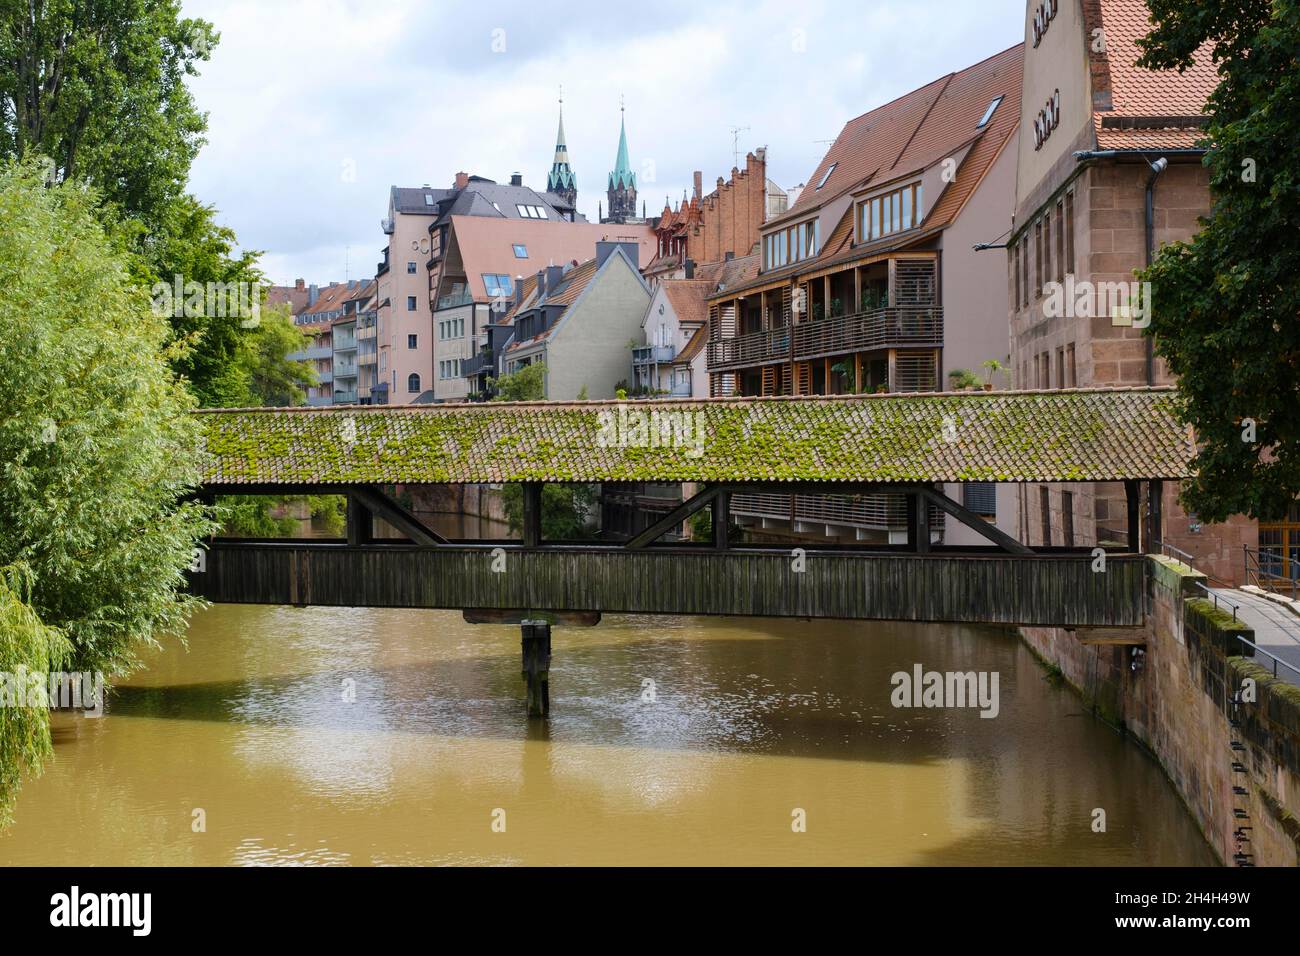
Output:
x,y
980,497
497,284
1060,241
1067,519
1070,380
1045,507
1069,232
521,250
1024,268
410,268
410,303
1038,258
1047,248
988,113
892,212
801,241
412,341
1060,368
826,175
413,383
531,212
428,199
1015,269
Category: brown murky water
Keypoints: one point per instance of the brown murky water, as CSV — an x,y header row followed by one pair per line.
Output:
x,y
751,720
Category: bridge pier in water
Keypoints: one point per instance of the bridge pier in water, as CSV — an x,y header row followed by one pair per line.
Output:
x,y
536,646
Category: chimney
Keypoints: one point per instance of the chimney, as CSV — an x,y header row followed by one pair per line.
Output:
x,y
541,283
699,184
519,291
299,285
462,180
731,254
553,276
313,293
689,266
630,249
516,179
352,284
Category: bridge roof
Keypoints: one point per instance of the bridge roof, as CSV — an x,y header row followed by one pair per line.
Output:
x,y
1032,436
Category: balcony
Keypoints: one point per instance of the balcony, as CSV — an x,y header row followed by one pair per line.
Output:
x,y
345,369
324,378
680,390
482,362
878,512
310,354
653,355
893,327
344,343
345,397
454,300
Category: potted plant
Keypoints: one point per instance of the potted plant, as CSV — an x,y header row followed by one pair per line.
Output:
x,y
993,366
963,380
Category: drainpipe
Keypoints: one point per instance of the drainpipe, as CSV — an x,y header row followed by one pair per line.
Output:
x,y
1158,167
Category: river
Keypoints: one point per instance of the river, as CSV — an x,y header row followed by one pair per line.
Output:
x,y
754,724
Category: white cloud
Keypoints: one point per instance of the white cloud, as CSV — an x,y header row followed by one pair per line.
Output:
x,y
316,107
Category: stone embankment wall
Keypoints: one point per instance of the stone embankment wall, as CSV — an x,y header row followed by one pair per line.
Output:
x,y
1186,695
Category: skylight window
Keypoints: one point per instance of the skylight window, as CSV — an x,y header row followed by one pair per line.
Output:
x,y
988,113
428,199
531,212
827,175
521,250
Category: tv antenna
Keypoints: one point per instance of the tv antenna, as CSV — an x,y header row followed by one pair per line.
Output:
x,y
735,143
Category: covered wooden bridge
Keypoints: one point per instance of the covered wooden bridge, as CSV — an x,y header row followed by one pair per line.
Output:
x,y
908,444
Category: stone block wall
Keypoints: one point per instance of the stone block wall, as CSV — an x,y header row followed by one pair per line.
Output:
x,y
1176,699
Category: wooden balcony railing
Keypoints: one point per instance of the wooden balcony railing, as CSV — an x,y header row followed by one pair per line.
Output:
x,y
892,327
876,512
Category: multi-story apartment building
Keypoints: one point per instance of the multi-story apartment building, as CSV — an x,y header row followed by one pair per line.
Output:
x,y
1109,168
482,259
403,353
870,281
317,321
674,330
344,341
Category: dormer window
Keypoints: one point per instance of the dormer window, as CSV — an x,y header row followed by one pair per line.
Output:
x,y
890,212
988,113
794,244
826,175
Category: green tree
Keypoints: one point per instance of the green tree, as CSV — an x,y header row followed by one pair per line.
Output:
x,y
274,379
1225,304
97,448
526,385
98,86
98,445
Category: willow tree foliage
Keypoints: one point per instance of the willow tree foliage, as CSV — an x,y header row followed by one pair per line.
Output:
x,y
27,646
1226,305
96,447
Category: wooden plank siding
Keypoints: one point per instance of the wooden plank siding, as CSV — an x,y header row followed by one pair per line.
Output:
x,y
1046,590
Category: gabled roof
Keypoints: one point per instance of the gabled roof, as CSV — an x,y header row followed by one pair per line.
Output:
x,y
689,298
412,201
693,346
331,300
502,201
918,129
1037,436
1148,109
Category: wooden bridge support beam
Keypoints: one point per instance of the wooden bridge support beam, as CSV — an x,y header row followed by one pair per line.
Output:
x,y
918,522
532,530
536,646
1133,496
360,524
722,521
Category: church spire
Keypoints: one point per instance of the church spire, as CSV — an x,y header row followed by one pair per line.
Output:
x,y
622,181
561,180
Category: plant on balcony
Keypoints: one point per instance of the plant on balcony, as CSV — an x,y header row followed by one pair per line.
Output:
x,y
818,312
993,367
963,379
846,370
837,307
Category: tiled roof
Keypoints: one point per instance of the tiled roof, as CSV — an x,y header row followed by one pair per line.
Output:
x,y
1149,109
693,347
689,298
571,285
1050,436
920,128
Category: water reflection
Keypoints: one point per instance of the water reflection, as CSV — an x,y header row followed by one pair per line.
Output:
x,y
378,736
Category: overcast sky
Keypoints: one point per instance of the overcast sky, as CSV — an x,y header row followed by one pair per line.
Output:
x,y
316,107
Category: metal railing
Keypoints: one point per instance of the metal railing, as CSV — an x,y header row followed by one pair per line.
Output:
x,y
1216,599
1256,649
1258,571
653,355
875,511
